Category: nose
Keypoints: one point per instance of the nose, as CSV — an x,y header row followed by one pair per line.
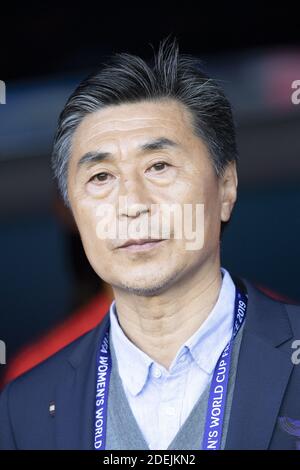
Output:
x,y
133,198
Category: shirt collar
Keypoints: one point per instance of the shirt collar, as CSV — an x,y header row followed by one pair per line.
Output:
x,y
205,345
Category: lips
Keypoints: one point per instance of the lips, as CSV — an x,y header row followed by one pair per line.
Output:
x,y
140,241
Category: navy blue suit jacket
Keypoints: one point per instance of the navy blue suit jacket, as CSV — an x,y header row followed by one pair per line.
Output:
x,y
266,402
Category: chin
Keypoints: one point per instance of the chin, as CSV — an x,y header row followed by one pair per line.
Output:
x,y
149,287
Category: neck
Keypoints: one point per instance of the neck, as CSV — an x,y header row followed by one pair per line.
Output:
x,y
159,325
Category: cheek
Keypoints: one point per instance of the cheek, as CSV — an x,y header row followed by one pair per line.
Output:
x,y
86,220
203,191
206,192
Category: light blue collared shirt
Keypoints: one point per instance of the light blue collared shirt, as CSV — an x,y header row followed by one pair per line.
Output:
x,y
162,399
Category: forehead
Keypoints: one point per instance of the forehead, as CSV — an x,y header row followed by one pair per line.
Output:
x,y
122,123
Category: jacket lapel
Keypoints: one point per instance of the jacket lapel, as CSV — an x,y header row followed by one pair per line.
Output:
x,y
262,375
75,399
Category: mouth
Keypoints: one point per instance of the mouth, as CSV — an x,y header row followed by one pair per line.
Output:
x,y
140,245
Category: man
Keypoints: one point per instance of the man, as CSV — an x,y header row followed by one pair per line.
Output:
x,y
187,357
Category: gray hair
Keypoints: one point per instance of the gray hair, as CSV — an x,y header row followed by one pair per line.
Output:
x,y
127,78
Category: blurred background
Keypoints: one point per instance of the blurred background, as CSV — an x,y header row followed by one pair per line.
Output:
x,y
46,51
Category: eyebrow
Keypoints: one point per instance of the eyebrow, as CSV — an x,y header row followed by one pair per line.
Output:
x,y
97,156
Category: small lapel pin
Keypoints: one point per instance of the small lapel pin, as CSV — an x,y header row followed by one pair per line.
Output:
x,y
52,408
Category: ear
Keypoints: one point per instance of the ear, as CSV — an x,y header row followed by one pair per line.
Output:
x,y
228,191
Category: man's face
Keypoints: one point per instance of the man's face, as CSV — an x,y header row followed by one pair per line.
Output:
x,y
150,156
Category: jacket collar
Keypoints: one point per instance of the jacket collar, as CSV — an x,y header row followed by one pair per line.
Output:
x,y
266,318
263,371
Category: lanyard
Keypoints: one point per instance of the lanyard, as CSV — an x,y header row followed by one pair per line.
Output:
x,y
218,388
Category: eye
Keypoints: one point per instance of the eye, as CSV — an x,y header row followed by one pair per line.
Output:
x,y
159,166
102,177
